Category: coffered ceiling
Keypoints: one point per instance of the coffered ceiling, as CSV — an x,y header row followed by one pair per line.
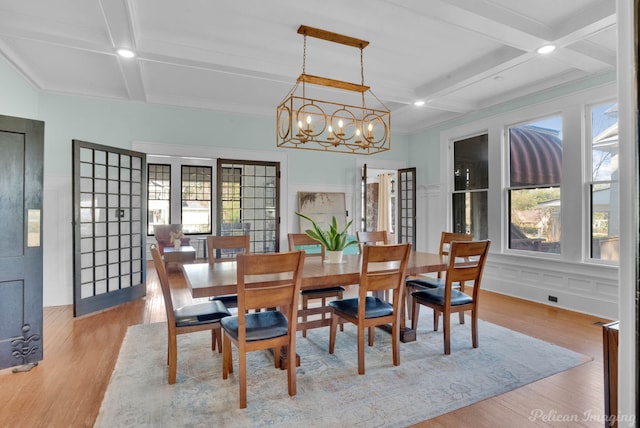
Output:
x,y
245,55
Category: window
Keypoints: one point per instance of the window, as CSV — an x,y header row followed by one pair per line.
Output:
x,y
535,159
196,199
248,202
603,184
159,195
230,195
471,185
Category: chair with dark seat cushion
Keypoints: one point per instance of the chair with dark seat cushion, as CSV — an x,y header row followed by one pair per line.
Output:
x,y
270,280
224,249
466,264
416,283
187,319
313,248
383,268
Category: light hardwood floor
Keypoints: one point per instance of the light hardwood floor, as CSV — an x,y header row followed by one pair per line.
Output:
x,y
67,387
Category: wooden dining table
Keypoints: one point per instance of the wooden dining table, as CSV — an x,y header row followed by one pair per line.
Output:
x,y
210,280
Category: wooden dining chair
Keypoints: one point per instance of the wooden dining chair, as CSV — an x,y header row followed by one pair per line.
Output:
x,y
269,280
383,268
313,248
376,237
372,238
224,249
416,283
466,263
187,319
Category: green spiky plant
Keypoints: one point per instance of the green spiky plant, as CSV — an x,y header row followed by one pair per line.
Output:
x,y
332,239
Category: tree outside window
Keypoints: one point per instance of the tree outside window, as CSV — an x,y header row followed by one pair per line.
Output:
x,y
603,186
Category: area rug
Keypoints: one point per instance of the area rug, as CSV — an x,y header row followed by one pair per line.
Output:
x,y
330,392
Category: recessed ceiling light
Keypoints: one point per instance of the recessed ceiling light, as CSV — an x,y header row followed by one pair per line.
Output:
x,y
546,49
126,53
418,103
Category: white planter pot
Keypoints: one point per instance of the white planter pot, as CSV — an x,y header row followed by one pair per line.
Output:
x,y
334,256
177,244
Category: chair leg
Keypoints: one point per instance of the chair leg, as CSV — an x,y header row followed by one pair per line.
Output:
x,y
360,349
242,369
216,340
340,295
372,335
462,312
395,343
474,328
305,305
436,318
226,358
415,307
409,302
446,323
276,357
173,358
332,331
291,367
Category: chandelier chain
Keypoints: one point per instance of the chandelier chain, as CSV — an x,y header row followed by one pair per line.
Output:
x,y
362,77
304,56
304,65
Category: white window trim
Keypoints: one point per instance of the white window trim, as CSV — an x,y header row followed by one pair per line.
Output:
x,y
570,107
587,181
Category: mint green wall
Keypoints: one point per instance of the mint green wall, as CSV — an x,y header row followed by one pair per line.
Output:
x,y
17,97
119,123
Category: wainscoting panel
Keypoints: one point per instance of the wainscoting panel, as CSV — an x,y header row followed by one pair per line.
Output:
x,y
591,289
57,241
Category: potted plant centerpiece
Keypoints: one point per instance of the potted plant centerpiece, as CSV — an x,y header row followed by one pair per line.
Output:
x,y
334,240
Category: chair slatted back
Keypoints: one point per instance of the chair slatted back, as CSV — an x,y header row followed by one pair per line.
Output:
x,y
269,280
372,238
445,240
383,268
301,241
466,263
238,243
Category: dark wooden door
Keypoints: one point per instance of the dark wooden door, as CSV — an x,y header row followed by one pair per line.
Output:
x,y
21,169
407,206
109,226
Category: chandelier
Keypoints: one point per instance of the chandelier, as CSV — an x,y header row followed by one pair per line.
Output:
x,y
333,126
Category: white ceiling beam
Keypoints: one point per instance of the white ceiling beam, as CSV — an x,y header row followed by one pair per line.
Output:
x,y
117,17
490,66
519,35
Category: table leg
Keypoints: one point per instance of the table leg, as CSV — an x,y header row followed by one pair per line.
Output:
x,y
406,334
284,357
